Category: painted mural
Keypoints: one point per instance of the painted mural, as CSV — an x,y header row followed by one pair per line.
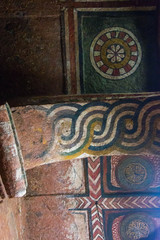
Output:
x,y
115,49
89,164
77,130
115,216
115,53
93,200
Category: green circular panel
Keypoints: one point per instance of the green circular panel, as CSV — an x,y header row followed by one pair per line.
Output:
x,y
115,53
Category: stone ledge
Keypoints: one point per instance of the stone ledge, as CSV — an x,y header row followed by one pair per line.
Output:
x,y
12,171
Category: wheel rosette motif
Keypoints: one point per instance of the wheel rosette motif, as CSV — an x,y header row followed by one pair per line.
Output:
x,y
136,226
115,53
135,173
137,229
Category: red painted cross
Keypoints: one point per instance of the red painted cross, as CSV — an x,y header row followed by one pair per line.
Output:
x,y
96,203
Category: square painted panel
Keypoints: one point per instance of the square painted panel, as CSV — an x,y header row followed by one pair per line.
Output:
x,y
128,175
117,51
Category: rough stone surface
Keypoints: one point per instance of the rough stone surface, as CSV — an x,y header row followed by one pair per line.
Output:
x,y
12,170
3,193
57,178
48,218
30,55
12,221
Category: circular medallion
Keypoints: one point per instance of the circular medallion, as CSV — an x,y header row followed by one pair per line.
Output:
x,y
115,53
136,226
134,173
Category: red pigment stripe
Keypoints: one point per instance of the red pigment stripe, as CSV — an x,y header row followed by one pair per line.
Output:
x,y
93,174
97,47
104,68
122,35
134,58
127,68
72,51
93,164
97,231
97,58
104,38
133,48
128,40
94,186
116,72
113,34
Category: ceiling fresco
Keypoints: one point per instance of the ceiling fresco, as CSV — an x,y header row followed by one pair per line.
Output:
x,y
110,187
114,216
116,50
99,200
85,165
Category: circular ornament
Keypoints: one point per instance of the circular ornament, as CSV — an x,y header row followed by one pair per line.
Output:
x,y
136,226
115,53
134,173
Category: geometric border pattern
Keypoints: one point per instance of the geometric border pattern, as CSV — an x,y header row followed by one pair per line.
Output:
x,y
101,128
96,203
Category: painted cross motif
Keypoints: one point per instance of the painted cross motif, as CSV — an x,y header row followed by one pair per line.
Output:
x,y
91,202
96,202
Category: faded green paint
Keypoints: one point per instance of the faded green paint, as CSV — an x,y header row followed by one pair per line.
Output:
x,y
143,26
